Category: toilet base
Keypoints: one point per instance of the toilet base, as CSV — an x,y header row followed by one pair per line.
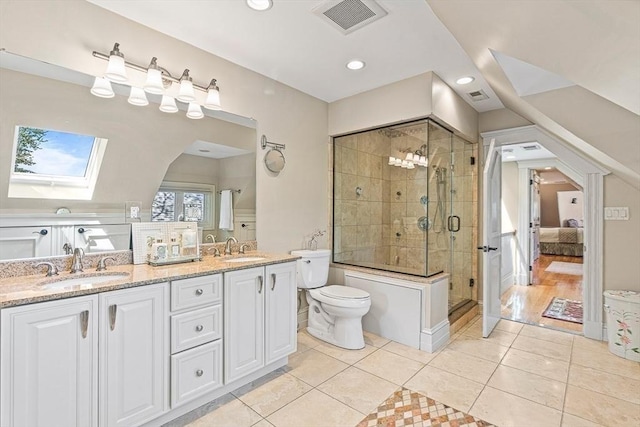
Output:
x,y
345,333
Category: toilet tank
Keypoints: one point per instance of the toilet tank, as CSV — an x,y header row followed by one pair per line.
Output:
x,y
313,268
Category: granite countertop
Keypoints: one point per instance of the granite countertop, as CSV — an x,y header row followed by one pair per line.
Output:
x,y
30,289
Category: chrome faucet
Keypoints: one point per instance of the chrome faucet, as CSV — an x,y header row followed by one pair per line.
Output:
x,y
210,237
227,246
76,261
52,270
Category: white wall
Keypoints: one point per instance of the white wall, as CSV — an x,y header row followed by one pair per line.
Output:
x,y
288,205
510,196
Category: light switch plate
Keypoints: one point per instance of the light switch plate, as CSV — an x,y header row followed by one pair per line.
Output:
x,y
132,211
616,213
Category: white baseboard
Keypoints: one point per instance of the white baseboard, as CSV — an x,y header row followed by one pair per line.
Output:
x,y
594,330
435,338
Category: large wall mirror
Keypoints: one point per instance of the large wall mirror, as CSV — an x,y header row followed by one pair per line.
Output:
x,y
146,149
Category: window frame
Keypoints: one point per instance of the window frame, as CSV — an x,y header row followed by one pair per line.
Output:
x,y
209,191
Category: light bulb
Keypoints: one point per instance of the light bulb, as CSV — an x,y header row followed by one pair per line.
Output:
x,y
194,112
186,93
398,162
154,79
137,97
168,105
102,88
410,166
409,157
260,5
213,97
423,161
116,71
392,160
416,158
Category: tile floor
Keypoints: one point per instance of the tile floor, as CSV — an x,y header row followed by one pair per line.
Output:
x,y
521,375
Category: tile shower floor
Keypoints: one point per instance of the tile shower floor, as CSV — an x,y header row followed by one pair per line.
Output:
x,y
521,375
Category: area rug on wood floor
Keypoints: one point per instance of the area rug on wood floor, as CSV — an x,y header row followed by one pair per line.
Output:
x,y
564,309
408,408
565,268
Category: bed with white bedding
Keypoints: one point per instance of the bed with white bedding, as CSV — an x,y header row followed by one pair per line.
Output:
x,y
567,241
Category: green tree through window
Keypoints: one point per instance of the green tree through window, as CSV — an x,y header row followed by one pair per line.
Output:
x,y
29,140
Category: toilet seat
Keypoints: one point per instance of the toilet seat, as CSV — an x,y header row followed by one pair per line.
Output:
x,y
343,292
341,298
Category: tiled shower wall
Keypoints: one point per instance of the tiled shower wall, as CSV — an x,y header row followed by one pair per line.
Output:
x,y
377,206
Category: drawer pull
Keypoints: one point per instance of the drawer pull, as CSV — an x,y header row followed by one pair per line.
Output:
x,y
273,281
113,310
84,322
199,292
199,373
199,328
260,280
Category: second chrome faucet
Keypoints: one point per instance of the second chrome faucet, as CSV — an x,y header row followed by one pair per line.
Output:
x,y
76,261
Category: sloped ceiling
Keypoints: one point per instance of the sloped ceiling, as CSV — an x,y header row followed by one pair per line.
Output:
x,y
594,44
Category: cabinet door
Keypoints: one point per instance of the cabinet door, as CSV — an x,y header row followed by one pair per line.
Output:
x,y
25,242
134,355
280,311
102,237
49,364
243,322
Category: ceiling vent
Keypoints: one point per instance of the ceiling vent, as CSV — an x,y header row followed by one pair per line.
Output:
x,y
349,15
478,95
531,147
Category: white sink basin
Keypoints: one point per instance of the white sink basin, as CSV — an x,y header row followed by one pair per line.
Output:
x,y
246,259
83,280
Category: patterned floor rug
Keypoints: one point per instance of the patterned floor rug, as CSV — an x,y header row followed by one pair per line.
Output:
x,y
408,408
564,309
560,267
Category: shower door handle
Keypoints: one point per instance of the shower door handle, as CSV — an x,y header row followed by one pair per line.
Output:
x,y
453,225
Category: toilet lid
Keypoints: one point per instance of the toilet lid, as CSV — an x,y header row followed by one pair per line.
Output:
x,y
343,292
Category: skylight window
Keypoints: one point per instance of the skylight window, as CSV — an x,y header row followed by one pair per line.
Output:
x,y
52,164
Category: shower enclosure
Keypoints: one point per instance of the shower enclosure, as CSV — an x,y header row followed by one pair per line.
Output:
x,y
404,200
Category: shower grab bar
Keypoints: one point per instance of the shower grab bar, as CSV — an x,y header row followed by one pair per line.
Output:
x,y
450,223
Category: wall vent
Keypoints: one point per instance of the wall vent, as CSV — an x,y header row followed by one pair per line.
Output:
x,y
531,147
348,16
478,95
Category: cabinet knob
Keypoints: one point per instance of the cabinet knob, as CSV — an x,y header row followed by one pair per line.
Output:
x,y
199,373
199,292
199,328
42,232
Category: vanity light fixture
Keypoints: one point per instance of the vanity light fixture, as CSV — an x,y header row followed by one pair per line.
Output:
x,y
411,159
260,5
465,80
137,97
154,83
186,93
102,88
355,64
213,96
157,80
194,112
116,71
168,104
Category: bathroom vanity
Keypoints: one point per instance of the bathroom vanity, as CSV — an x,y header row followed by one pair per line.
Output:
x,y
145,347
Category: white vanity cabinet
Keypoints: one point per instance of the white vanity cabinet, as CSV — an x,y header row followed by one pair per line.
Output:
x,y
134,348
196,337
49,364
259,317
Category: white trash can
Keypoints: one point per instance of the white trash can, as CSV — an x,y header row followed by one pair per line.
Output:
x,y
622,310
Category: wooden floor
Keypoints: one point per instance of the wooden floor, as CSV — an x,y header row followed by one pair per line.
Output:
x,y
527,303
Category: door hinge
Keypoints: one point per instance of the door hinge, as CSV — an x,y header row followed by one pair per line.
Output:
x,y
530,225
530,182
471,282
530,268
472,160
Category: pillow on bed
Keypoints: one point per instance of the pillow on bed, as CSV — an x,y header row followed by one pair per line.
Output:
x,y
573,223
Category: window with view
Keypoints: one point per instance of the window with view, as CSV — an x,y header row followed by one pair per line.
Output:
x,y
54,164
184,202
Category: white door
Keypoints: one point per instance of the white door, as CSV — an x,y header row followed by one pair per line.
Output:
x,y
280,311
534,222
243,322
134,355
25,242
49,364
492,223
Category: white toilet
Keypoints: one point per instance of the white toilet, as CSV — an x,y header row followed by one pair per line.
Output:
x,y
335,312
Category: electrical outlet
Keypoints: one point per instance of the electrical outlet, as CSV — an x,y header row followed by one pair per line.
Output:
x,y
135,212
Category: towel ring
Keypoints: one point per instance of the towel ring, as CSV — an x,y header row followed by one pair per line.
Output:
x,y
274,160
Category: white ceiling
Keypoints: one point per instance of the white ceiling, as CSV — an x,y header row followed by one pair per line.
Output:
x,y
292,45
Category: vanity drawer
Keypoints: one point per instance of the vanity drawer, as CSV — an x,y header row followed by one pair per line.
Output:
x,y
195,327
196,372
197,291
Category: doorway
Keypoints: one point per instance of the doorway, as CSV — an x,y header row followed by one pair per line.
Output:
x,y
590,177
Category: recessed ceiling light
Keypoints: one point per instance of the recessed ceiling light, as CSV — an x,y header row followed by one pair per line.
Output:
x,y
465,80
204,151
260,5
355,64
547,168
